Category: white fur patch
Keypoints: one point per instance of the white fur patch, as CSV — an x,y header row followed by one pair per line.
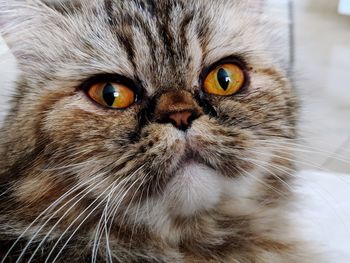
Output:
x,y
194,188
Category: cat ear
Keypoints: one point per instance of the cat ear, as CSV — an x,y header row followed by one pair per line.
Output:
x,y
17,18
24,24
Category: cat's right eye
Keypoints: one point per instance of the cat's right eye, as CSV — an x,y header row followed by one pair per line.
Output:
x,y
112,95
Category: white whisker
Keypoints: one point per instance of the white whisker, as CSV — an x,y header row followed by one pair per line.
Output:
x,y
56,224
51,206
78,227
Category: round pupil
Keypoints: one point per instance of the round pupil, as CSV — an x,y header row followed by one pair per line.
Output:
x,y
109,94
224,79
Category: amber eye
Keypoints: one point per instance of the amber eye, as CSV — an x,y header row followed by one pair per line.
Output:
x,y
112,95
225,80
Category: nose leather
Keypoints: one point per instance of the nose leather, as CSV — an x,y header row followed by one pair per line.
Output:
x,y
178,108
181,120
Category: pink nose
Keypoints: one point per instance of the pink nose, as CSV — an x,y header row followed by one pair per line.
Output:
x,y
182,120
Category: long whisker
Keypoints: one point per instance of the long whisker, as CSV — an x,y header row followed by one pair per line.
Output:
x,y
318,191
111,219
116,206
78,227
98,234
242,171
295,160
138,208
255,162
303,148
50,207
131,201
56,224
103,218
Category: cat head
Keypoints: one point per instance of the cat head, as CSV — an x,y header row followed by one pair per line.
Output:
x,y
149,109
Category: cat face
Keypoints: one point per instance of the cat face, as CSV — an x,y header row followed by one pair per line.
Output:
x,y
177,150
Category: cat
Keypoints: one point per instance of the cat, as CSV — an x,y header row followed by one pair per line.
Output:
x,y
147,131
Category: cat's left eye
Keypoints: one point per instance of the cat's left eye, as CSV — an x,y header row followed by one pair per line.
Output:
x,y
224,80
112,95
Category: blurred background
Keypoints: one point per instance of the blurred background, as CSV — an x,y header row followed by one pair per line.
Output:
x,y
318,32
322,64
319,40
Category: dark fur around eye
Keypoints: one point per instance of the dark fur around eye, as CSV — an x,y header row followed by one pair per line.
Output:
x,y
205,104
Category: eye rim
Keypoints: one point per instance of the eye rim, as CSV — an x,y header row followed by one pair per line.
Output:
x,y
116,79
235,60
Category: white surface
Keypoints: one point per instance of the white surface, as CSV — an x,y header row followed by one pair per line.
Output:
x,y
324,212
344,7
7,77
3,47
322,67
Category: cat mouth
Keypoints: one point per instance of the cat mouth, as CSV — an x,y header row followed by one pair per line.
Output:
x,y
193,157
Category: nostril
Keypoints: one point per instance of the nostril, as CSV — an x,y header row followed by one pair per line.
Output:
x,y
177,107
182,120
